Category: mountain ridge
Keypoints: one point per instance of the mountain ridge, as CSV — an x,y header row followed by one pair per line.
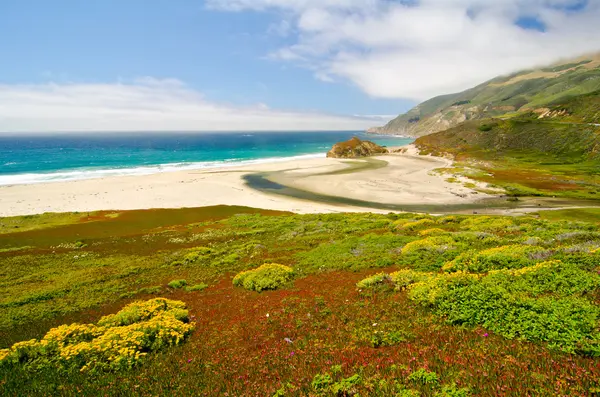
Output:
x,y
503,96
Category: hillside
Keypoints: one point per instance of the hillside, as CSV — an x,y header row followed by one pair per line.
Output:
x,y
519,92
554,150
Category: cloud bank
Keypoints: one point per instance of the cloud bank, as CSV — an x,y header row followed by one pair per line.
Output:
x,y
147,104
421,48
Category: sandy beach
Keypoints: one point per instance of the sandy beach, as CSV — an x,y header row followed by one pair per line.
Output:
x,y
405,179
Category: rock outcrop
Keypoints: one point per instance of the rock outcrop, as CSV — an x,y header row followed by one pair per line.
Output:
x,y
355,148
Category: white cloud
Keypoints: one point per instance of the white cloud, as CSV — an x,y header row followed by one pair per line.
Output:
x,y
146,104
418,49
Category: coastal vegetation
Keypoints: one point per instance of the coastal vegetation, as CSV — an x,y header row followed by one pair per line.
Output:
x,y
553,152
396,304
501,97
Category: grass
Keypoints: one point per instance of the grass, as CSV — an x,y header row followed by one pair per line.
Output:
x,y
573,215
319,334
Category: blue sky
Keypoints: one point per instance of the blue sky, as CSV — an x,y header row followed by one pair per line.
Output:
x,y
279,63
222,54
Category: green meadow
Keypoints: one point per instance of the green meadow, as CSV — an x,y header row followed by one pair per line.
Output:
x,y
244,302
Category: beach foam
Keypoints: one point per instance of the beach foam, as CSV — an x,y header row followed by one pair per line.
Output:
x,y
80,174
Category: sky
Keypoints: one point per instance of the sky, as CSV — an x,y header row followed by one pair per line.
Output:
x,y
116,65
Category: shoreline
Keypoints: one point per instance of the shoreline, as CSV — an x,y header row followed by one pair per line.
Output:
x,y
141,170
393,182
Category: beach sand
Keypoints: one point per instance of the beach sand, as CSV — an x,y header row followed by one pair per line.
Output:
x,y
406,179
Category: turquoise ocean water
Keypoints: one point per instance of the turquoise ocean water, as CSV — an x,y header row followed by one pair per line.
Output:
x,y
64,157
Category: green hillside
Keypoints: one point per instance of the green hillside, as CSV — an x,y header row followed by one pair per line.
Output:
x,y
550,151
503,96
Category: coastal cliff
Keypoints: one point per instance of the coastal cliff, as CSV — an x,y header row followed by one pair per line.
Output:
x,y
354,148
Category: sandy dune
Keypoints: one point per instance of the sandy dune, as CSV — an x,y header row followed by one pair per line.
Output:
x,y
405,180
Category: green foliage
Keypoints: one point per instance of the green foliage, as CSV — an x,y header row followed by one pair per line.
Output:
x,y
546,294
424,377
485,127
346,386
119,341
506,257
321,383
197,287
408,393
373,280
453,391
266,277
403,278
353,253
176,284
421,223
542,303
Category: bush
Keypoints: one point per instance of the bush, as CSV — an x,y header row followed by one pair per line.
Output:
x,y
176,284
197,287
453,391
117,342
540,303
373,280
266,277
435,243
412,226
406,277
424,377
432,232
506,257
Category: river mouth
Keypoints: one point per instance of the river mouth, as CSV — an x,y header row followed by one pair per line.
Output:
x,y
262,182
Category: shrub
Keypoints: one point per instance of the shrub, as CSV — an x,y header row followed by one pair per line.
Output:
x,y
424,377
266,277
408,393
486,223
434,243
541,303
197,287
505,257
118,342
431,232
176,284
403,278
346,386
321,382
412,226
144,310
431,291
453,391
373,280
448,219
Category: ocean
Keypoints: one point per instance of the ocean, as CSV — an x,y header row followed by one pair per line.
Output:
x,y
66,157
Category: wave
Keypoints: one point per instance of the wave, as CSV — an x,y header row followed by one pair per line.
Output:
x,y
79,174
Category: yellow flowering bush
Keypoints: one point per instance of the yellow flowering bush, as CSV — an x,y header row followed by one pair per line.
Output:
x,y
118,342
373,280
486,224
505,257
447,219
143,310
412,226
433,243
406,277
433,288
431,232
265,277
